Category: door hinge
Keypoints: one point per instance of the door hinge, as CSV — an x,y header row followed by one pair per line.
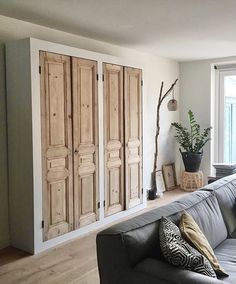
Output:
x,y
39,69
103,77
97,77
141,82
104,203
42,224
99,205
142,190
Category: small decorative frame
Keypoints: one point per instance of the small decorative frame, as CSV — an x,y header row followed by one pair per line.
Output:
x,y
160,185
169,176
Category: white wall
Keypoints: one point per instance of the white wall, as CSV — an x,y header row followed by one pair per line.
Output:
x,y
157,69
197,92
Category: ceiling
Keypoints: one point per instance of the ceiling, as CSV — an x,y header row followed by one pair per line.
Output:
x,y
178,29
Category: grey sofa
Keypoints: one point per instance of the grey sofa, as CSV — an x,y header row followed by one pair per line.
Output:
x,y
129,252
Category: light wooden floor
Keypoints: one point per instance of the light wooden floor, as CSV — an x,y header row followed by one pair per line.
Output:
x,y
72,262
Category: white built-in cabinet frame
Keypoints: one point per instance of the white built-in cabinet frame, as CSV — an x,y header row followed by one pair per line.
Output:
x,y
24,142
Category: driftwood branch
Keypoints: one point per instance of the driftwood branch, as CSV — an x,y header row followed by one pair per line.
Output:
x,y
168,91
160,100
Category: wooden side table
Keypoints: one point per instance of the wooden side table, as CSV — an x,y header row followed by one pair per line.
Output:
x,y
192,181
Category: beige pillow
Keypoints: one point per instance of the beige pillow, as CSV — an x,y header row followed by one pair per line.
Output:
x,y
193,234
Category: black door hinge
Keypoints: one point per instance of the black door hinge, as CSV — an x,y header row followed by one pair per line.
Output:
x,y
97,77
141,82
103,77
104,203
142,190
42,224
39,69
99,205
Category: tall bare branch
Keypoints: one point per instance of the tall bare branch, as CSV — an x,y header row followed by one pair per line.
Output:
x,y
160,100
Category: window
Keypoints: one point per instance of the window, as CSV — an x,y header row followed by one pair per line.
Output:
x,y
227,116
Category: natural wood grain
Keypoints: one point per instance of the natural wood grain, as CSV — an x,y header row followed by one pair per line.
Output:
x,y
10,254
160,100
113,137
133,136
71,263
85,141
56,144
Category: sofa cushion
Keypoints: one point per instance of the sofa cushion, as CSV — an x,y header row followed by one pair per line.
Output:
x,y
163,271
233,235
220,183
193,235
226,254
143,242
179,253
140,234
225,191
208,216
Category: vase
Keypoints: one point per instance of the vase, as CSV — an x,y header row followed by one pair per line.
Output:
x,y
192,161
154,192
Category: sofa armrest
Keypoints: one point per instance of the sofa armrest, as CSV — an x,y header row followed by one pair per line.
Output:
x,y
172,274
112,258
131,276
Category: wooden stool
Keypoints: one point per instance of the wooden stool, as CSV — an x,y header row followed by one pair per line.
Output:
x,y
192,181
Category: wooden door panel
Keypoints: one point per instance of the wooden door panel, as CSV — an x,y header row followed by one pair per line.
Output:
x,y
134,182
87,203
56,104
57,198
56,144
85,130
114,185
113,137
133,136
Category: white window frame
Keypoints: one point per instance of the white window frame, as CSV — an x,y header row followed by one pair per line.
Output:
x,y
219,112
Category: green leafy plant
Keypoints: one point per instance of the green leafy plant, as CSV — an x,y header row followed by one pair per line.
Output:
x,y
192,140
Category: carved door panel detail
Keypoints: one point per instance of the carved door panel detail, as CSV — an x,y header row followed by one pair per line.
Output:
x,y
113,137
56,144
69,119
85,138
133,136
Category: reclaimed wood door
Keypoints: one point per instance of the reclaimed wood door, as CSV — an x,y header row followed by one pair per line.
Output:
x,y
113,137
56,124
133,136
85,141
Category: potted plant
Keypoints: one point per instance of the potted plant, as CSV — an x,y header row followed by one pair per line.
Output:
x,y
192,140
